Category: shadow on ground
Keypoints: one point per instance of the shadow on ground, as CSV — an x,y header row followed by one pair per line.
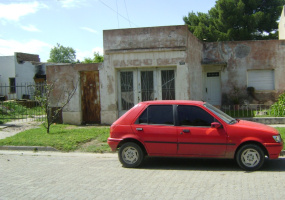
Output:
x,y
207,164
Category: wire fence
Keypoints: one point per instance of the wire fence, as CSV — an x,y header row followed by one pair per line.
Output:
x,y
253,110
18,102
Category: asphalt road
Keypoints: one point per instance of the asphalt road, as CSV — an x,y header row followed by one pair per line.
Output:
x,y
54,175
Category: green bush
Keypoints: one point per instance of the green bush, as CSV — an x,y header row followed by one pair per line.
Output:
x,y
278,108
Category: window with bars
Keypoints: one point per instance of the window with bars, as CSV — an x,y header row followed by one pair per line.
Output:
x,y
127,90
147,89
168,84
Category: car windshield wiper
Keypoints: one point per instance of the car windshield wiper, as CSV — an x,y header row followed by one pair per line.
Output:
x,y
233,121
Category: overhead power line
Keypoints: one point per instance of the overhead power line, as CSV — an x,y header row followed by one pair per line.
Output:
x,y
118,13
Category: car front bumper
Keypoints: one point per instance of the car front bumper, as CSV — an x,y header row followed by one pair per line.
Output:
x,y
274,149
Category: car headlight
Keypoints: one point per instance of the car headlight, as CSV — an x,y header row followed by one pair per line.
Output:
x,y
277,138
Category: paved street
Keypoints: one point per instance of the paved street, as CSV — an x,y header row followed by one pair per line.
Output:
x,y
53,175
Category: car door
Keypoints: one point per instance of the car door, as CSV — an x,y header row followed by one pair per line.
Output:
x,y
155,127
196,136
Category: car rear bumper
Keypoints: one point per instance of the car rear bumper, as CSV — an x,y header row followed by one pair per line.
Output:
x,y
274,149
113,143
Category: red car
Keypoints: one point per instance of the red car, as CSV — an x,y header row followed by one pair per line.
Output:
x,y
177,128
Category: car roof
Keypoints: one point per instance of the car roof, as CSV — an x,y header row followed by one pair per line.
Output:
x,y
174,102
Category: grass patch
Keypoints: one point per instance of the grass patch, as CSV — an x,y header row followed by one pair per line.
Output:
x,y
62,137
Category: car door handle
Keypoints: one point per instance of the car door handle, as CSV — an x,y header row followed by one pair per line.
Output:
x,y
185,131
139,129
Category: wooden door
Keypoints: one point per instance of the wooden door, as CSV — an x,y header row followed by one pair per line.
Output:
x,y
90,96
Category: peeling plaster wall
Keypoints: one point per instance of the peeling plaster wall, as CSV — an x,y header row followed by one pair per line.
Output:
x,y
194,58
248,55
155,47
66,78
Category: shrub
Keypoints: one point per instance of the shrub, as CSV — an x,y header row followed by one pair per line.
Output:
x,y
278,108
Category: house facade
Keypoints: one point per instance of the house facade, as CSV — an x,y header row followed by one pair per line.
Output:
x,y
169,62
21,69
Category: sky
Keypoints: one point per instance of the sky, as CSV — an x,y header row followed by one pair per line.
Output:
x,y
36,26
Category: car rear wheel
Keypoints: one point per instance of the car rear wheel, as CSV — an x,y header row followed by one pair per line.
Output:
x,y
131,155
250,157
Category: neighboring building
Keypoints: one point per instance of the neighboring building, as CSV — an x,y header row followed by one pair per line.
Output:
x,y
19,70
80,84
281,26
169,62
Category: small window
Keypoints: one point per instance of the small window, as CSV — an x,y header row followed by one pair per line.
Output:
x,y
160,114
194,116
261,79
12,82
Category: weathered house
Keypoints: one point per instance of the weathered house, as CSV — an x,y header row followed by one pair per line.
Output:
x,y
171,63
20,69
81,83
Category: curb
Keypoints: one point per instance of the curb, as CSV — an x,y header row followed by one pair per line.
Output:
x,y
28,148
39,148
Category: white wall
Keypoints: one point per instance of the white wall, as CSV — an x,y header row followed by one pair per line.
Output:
x,y
282,25
7,70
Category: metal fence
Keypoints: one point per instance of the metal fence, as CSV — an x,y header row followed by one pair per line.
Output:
x,y
18,102
252,110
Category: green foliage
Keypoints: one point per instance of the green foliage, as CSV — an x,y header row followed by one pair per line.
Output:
x,y
63,137
13,110
237,20
61,54
97,59
278,108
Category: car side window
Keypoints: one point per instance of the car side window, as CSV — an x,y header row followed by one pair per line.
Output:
x,y
194,116
157,114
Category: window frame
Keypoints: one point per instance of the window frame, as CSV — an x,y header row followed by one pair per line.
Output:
x,y
200,108
12,88
258,89
153,124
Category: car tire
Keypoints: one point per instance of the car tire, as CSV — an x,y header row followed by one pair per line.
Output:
x,y
131,155
250,157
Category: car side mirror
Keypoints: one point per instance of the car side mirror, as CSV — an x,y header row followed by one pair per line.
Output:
x,y
216,125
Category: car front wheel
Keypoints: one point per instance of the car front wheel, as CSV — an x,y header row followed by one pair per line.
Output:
x,y
250,157
131,155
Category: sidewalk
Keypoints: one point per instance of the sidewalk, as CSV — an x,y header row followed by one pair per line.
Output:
x,y
12,128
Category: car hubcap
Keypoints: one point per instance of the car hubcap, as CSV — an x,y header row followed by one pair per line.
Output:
x,y
250,157
130,155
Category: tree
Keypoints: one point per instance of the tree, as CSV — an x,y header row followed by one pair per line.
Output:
x,y
44,95
97,58
237,20
61,54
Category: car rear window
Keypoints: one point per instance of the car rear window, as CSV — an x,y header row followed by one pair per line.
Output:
x,y
157,114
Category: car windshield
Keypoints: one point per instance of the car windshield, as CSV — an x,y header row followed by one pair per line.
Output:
x,y
226,118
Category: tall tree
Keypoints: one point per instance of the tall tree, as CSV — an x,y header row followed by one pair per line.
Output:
x,y
237,20
97,58
61,54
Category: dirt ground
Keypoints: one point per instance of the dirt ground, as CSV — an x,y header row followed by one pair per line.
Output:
x,y
12,128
